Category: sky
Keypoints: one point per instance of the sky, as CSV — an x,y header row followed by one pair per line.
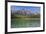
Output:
x,y
33,9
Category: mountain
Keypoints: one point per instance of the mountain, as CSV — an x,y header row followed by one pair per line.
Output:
x,y
23,12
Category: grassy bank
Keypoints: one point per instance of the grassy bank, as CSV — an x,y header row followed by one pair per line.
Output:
x,y
26,18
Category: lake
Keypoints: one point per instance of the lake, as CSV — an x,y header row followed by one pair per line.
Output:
x,y
23,23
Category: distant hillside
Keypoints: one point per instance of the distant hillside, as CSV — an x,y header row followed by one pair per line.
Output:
x,y
25,13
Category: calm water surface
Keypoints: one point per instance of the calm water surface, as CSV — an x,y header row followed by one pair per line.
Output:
x,y
21,23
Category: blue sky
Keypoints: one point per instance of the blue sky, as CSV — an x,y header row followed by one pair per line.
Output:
x,y
34,9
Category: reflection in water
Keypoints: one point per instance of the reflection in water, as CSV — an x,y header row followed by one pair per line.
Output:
x,y
22,23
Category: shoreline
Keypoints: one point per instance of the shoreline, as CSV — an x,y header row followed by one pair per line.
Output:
x,y
26,18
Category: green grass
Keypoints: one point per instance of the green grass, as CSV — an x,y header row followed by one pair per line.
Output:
x,y
22,16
